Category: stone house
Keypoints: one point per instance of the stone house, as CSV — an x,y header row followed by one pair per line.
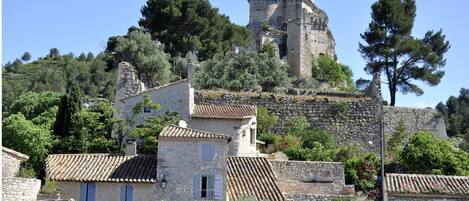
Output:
x,y
413,187
15,188
103,177
237,121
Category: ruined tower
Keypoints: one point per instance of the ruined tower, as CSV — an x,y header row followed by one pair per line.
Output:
x,y
297,29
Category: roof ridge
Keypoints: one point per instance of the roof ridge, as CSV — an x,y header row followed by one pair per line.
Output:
x,y
166,130
14,152
426,175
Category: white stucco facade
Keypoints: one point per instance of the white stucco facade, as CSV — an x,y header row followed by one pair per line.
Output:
x,y
239,129
109,191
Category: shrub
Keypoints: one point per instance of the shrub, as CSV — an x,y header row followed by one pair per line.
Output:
x,y
265,120
362,172
349,151
26,172
317,153
297,125
311,137
327,70
49,188
434,156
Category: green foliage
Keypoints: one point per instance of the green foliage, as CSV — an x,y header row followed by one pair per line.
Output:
x,y
389,47
53,53
327,70
345,198
53,75
240,72
317,152
456,114
269,49
22,135
185,26
338,108
149,131
68,115
312,137
26,57
349,151
33,105
362,172
26,172
265,121
50,188
147,56
395,144
297,125
434,156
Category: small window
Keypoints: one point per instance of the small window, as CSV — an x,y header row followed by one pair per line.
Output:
x,y
208,152
147,109
206,190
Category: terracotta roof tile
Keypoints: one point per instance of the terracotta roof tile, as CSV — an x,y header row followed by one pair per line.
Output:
x,y
224,111
427,184
252,176
102,168
179,132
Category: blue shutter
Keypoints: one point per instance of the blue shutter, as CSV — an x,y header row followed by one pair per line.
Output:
x,y
83,187
196,187
123,189
218,187
128,194
208,152
91,192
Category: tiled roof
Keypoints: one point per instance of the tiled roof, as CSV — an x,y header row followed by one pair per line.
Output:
x,y
179,132
252,176
224,111
101,168
427,184
17,154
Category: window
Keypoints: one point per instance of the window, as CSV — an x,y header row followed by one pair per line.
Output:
x,y
208,152
206,190
126,192
146,109
253,136
87,191
207,187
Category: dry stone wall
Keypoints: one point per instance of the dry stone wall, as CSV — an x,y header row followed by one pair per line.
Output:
x,y
414,120
20,189
10,165
351,118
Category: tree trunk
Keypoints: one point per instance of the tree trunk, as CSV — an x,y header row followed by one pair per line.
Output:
x,y
392,93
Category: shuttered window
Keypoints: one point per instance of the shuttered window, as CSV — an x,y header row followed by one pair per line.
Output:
x,y
87,191
207,187
126,192
208,152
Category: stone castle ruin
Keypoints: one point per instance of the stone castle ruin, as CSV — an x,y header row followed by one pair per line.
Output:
x,y
297,29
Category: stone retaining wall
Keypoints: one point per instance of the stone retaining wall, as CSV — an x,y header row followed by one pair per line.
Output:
x,y
20,189
351,118
414,119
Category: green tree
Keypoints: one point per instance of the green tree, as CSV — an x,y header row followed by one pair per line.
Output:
x,y
147,56
389,47
243,71
434,156
185,26
22,135
89,57
82,57
265,120
33,105
362,172
297,125
53,53
327,70
26,57
68,115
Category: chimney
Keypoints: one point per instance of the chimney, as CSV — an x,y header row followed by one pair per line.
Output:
x,y
130,147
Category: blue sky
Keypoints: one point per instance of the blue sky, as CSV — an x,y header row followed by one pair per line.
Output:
x,y
84,26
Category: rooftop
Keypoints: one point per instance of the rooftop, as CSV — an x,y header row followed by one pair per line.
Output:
x,y
224,111
180,132
101,168
15,153
252,176
427,184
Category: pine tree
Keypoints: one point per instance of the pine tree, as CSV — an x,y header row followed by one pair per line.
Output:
x,y
389,47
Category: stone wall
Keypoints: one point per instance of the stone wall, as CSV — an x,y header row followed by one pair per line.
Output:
x,y
305,177
414,119
311,197
427,198
10,165
20,189
180,162
350,117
